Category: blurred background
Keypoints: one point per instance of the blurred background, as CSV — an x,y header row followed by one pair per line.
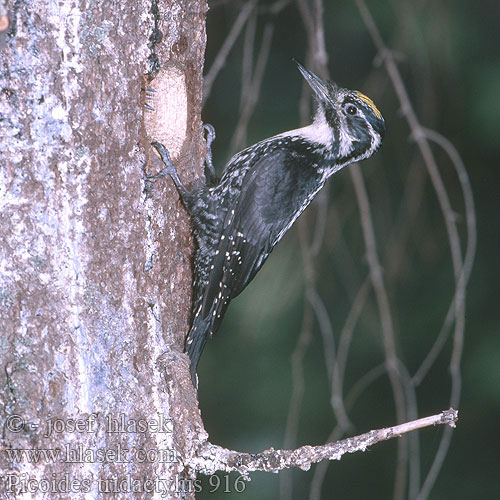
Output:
x,y
301,356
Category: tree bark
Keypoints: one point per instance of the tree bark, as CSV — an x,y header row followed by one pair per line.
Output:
x,y
95,276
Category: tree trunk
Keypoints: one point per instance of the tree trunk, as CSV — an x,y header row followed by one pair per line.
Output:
x,y
95,276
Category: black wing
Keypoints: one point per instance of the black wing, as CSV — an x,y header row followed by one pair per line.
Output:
x,y
273,194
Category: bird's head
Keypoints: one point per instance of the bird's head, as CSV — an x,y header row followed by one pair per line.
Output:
x,y
355,124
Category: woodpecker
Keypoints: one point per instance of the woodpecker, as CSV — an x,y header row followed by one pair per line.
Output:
x,y
238,219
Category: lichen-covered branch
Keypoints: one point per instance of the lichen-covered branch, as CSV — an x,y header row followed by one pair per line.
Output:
x,y
212,458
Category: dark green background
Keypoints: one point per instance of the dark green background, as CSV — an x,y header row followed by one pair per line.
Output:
x,y
449,59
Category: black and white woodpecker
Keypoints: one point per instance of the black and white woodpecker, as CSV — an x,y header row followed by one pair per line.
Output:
x,y
238,219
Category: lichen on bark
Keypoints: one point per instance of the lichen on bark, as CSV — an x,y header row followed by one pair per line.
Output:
x,y
86,327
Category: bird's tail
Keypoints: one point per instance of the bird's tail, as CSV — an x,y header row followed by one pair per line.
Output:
x,y
195,343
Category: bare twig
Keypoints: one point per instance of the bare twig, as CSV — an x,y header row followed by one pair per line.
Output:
x,y
275,8
353,395
461,266
314,30
251,93
247,62
406,216
312,15
299,352
337,399
388,338
459,301
403,385
226,47
321,205
211,458
470,251
298,378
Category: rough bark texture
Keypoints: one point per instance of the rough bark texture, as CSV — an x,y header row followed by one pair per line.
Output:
x,y
95,262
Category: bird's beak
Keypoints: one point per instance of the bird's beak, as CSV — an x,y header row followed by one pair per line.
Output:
x,y
314,82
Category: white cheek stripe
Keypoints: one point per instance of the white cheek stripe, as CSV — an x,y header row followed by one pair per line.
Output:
x,y
345,142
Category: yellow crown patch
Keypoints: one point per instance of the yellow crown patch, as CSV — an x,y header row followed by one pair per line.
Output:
x,y
370,103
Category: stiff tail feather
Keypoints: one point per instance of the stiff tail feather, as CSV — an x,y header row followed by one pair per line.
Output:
x,y
195,343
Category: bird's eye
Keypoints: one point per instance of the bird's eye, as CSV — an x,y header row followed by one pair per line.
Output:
x,y
351,109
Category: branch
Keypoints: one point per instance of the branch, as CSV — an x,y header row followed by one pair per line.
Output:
x,y
228,44
461,266
211,458
393,365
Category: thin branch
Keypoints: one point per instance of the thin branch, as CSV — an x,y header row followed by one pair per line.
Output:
x,y
308,20
212,458
388,338
337,395
417,133
337,432
320,53
297,362
228,44
459,301
251,93
325,327
461,267
346,264
406,217
321,205
274,8
247,62
470,252
308,252
298,383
